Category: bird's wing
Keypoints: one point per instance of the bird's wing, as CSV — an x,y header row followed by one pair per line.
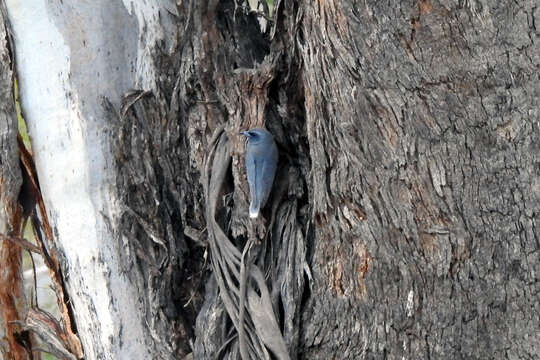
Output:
x,y
252,171
268,171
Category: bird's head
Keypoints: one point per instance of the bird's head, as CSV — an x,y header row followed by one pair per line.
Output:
x,y
257,135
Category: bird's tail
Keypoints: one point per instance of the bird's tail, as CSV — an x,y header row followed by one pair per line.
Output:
x,y
254,209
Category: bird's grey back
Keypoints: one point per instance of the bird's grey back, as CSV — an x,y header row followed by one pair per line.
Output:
x,y
262,155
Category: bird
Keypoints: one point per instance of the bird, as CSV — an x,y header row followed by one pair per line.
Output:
x,y
261,163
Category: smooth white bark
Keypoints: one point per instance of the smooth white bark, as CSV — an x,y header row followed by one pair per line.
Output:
x,y
69,55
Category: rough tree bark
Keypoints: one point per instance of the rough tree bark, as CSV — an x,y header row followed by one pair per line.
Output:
x,y
403,221
12,300
424,136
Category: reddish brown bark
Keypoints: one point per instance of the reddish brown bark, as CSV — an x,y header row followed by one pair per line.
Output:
x,y
12,304
11,289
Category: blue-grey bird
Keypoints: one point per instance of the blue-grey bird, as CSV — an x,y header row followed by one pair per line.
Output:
x,y
261,164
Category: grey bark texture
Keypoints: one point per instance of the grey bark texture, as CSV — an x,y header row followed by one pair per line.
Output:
x,y
423,128
409,137
403,223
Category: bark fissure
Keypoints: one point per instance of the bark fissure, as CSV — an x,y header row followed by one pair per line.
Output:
x,y
434,143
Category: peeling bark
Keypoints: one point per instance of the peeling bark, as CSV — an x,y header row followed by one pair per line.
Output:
x,y
86,59
12,300
57,339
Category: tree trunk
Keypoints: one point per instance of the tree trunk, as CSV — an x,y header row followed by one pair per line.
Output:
x,y
424,137
12,300
402,222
